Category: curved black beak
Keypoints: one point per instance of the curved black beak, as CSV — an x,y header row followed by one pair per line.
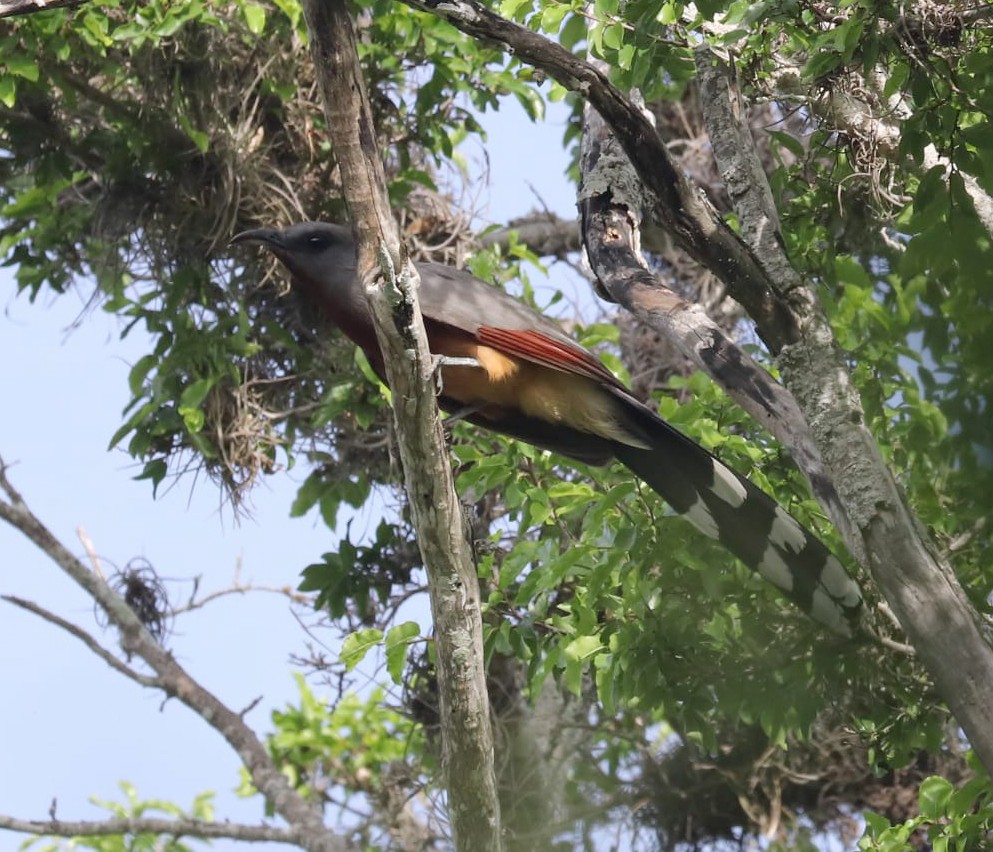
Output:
x,y
269,237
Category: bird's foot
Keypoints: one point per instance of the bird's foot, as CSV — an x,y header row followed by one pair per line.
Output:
x,y
440,361
450,361
463,412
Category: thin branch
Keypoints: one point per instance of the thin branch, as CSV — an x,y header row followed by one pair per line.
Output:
x,y
546,234
303,816
239,589
896,647
86,639
91,552
146,825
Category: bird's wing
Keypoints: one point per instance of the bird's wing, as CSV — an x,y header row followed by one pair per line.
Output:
x,y
460,300
552,352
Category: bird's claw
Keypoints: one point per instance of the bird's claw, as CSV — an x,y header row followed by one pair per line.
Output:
x,y
456,416
440,361
451,361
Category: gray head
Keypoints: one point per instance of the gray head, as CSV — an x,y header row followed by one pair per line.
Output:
x,y
320,255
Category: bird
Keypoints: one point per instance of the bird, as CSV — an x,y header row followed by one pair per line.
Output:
x,y
508,368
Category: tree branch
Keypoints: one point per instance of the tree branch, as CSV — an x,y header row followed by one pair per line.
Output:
x,y
145,825
467,754
304,817
947,633
86,639
924,592
610,201
678,206
546,234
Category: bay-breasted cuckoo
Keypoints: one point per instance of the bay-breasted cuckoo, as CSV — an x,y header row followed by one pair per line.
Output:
x,y
536,384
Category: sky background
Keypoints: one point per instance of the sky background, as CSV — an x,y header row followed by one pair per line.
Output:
x,y
70,727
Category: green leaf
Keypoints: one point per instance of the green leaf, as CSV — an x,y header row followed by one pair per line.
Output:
x,y
934,795
625,56
397,642
552,15
613,35
875,824
22,66
582,648
96,25
154,470
515,9
307,495
573,32
254,17
329,504
788,141
820,64
357,645
195,393
8,92
193,418
668,14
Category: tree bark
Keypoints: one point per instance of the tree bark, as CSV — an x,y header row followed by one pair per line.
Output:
x,y
467,743
945,630
610,203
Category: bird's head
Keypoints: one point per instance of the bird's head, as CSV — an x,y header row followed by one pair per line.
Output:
x,y
318,254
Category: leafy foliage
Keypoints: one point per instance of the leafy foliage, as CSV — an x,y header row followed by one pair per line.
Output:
x,y
135,139
351,747
950,819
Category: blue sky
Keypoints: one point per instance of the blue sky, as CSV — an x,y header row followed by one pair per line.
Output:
x,y
71,727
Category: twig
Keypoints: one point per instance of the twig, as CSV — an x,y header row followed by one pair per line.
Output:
x,y
84,539
147,825
16,500
87,640
898,647
239,589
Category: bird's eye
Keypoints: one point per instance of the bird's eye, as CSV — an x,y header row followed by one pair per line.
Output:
x,y
317,241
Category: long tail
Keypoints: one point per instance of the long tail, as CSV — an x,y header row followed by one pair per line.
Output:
x,y
725,506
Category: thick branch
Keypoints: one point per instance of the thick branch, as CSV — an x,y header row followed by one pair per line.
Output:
x,y
925,595
161,827
137,641
454,587
610,205
680,208
545,234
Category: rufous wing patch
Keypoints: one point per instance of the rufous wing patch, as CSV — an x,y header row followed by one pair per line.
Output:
x,y
541,349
